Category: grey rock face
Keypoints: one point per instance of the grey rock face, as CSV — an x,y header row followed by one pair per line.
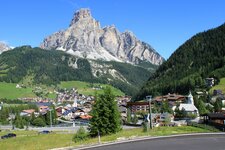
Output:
x,y
85,38
4,47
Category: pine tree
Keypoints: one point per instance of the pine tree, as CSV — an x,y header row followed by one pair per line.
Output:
x,y
134,118
166,108
105,115
201,107
218,105
128,115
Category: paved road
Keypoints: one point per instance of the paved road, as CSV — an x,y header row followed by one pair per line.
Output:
x,y
196,142
72,129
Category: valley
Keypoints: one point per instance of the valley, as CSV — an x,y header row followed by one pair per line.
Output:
x,y
79,81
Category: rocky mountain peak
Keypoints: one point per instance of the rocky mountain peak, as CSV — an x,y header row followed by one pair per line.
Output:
x,y
81,14
85,38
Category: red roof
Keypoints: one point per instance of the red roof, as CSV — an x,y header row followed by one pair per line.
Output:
x,y
43,107
170,97
29,111
85,117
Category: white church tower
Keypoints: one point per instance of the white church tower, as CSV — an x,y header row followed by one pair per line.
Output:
x,y
75,101
190,99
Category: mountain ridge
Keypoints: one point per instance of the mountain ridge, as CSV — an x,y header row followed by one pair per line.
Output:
x,y
200,57
50,67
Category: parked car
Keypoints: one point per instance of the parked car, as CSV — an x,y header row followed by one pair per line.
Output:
x,y
9,135
44,132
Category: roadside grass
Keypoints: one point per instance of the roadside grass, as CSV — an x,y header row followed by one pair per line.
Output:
x,y
32,140
86,88
159,131
220,86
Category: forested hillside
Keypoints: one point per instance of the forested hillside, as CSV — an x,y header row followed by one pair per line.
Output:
x,y
200,57
38,66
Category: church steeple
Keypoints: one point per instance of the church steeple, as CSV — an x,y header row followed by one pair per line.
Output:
x,y
190,99
75,102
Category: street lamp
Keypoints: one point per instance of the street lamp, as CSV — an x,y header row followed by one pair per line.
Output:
x,y
149,99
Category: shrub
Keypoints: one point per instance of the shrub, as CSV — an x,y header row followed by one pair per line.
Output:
x,y
145,126
80,135
38,122
134,119
192,116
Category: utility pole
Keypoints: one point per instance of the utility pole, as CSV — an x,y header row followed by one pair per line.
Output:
x,y
149,99
99,138
50,118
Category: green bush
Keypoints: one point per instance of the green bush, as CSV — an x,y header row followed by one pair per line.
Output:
x,y
203,126
192,116
38,122
80,135
145,126
134,119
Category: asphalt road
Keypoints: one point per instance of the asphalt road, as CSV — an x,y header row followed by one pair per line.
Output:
x,y
194,142
70,128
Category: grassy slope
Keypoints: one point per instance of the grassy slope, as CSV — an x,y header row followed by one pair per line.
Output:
x,y
86,89
9,90
220,86
31,140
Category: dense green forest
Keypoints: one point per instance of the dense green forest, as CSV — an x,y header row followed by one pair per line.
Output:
x,y
38,66
200,57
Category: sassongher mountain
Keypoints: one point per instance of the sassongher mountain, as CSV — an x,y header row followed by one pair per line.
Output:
x,y
87,39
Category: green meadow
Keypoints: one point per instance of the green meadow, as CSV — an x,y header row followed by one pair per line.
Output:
x,y
87,88
220,86
9,90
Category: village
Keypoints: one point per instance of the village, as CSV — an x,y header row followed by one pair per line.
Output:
x,y
70,108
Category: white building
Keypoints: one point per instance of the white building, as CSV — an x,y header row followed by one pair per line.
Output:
x,y
189,107
75,102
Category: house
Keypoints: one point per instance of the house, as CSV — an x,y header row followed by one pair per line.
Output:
x,y
200,93
18,86
170,98
216,118
85,117
138,106
123,111
59,111
27,112
209,82
87,104
123,99
72,113
217,92
43,109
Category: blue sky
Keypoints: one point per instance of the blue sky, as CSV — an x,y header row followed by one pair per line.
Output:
x,y
164,24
